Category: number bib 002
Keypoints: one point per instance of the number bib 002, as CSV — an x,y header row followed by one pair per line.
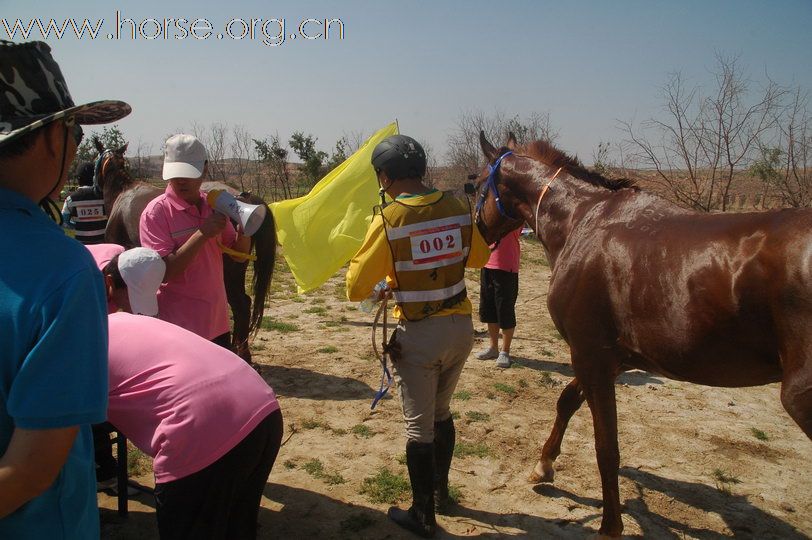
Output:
x,y
435,244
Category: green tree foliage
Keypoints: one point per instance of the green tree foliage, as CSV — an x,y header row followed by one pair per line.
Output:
x,y
110,136
339,155
313,160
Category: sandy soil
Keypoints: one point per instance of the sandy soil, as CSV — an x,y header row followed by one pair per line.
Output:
x,y
692,465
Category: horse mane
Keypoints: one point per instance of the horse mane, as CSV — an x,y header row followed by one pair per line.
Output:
x,y
553,157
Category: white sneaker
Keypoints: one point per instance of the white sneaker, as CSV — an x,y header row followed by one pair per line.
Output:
x,y
503,361
487,354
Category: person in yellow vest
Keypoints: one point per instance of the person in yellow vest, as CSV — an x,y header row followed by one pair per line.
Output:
x,y
421,244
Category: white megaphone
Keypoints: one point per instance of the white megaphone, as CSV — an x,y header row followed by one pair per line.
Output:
x,y
249,216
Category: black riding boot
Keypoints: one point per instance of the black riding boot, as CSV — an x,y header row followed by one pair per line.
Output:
x,y
444,437
418,519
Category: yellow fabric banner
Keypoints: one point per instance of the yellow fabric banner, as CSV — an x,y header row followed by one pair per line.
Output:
x,y
322,230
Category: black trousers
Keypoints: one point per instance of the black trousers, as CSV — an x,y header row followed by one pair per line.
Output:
x,y
222,500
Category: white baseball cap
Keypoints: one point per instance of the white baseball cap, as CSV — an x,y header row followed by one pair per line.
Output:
x,y
184,157
143,270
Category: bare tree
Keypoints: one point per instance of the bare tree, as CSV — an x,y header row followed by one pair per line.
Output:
x,y
795,187
354,140
464,154
140,165
244,158
704,140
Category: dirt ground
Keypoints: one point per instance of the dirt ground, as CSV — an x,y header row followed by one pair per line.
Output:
x,y
696,462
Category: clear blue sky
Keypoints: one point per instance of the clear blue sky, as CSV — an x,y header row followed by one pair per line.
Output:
x,y
587,63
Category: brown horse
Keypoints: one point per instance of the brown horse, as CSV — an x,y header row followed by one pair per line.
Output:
x,y
638,283
128,198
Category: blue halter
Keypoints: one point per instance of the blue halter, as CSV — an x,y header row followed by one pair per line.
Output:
x,y
490,185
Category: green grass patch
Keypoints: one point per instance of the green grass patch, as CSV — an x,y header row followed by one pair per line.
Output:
x,y
505,388
356,523
315,468
339,431
138,464
523,383
455,415
454,493
758,434
317,300
362,431
386,487
401,458
319,310
462,395
724,477
328,350
465,449
279,326
476,416
288,464
310,423
297,299
547,381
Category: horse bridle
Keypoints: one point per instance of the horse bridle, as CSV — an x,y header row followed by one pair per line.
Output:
x,y
490,186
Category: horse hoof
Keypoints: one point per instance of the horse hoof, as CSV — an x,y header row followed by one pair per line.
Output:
x,y
543,473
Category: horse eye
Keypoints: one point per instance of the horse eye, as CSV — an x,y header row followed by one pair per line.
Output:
x,y
470,189
473,176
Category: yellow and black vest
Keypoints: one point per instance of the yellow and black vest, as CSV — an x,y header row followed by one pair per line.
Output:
x,y
430,245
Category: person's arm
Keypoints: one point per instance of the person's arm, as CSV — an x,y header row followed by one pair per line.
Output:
x,y
241,244
370,264
31,463
179,261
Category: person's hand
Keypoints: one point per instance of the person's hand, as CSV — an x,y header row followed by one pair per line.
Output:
x,y
213,225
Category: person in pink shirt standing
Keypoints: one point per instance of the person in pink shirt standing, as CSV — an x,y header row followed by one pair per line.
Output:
x,y
499,288
185,231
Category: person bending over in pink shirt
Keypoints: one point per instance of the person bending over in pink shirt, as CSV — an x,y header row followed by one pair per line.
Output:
x,y
211,423
185,231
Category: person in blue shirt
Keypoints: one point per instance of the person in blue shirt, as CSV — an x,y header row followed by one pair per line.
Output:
x,y
53,379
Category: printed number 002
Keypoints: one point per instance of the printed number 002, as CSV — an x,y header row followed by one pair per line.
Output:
x,y
437,244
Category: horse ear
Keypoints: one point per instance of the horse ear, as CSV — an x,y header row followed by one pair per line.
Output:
x,y
122,149
511,141
98,144
487,148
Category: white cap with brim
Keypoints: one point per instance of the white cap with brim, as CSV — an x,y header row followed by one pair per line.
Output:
x,y
143,270
184,157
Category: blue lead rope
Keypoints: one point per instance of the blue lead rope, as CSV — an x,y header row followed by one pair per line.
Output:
x,y
490,185
386,383
386,375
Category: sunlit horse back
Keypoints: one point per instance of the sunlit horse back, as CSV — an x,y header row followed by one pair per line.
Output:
x,y
639,283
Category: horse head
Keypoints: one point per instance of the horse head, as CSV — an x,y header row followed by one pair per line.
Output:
x,y
112,174
497,206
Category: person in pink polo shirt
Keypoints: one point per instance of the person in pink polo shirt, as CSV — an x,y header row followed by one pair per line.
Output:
x,y
499,288
185,231
211,423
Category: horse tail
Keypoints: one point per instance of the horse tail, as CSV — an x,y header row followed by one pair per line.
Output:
x,y
265,248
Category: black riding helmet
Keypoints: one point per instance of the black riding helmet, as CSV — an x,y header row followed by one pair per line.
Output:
x,y
399,157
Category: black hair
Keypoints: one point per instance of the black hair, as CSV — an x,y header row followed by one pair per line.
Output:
x,y
112,270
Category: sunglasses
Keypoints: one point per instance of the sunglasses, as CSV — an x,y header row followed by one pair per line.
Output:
x,y
76,130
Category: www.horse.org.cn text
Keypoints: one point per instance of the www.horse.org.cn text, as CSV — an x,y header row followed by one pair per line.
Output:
x,y
271,32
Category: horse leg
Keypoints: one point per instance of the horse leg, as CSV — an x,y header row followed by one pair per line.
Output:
x,y
796,391
234,278
569,401
599,390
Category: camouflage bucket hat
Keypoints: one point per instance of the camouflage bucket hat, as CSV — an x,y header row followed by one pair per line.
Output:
x,y
33,93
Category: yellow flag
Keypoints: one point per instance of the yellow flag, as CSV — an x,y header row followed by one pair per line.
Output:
x,y
322,230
